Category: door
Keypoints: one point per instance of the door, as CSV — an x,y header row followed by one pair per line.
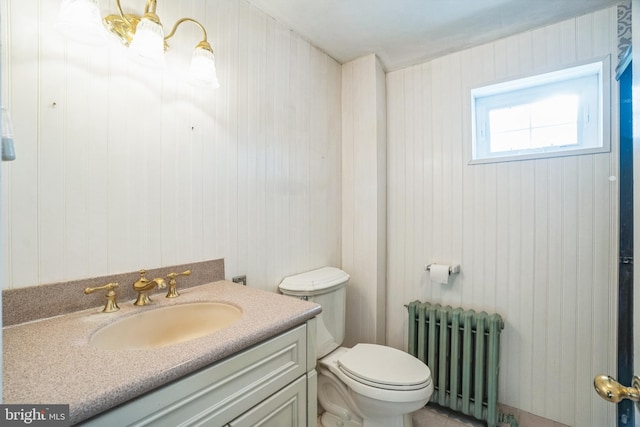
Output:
x,y
628,337
635,23
606,386
625,413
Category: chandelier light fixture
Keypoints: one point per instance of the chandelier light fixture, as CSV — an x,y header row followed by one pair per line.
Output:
x,y
143,34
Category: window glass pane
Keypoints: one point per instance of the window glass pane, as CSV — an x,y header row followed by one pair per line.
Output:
x,y
554,136
555,110
510,118
550,122
510,141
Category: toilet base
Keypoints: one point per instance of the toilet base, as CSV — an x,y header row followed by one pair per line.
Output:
x,y
340,409
330,420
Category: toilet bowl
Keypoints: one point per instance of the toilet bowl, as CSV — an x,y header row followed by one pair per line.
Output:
x,y
369,385
379,386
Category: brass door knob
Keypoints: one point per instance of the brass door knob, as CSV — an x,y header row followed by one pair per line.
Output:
x,y
611,390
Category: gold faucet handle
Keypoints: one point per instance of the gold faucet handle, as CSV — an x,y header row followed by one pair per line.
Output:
x,y
107,287
111,304
172,276
173,285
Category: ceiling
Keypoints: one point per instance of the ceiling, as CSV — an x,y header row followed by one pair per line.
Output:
x,y
408,32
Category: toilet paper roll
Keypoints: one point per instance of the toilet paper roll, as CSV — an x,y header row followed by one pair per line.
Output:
x,y
439,273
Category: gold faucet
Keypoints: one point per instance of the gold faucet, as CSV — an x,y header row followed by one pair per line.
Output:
x,y
111,304
173,289
144,285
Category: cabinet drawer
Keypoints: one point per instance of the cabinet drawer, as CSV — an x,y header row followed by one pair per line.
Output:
x,y
286,408
219,393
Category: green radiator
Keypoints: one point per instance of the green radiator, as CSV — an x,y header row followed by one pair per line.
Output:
x,y
462,349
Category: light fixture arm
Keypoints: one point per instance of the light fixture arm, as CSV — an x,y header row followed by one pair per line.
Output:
x,y
203,44
150,6
122,15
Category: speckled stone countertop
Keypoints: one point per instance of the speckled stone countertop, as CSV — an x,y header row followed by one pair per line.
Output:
x,y
51,361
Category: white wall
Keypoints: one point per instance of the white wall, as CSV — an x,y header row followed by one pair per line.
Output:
x,y
119,168
1,248
535,239
364,182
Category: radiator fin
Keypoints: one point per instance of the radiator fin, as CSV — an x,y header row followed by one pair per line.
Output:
x,y
462,348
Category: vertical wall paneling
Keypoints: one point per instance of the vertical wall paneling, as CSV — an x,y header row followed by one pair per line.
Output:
x,y
2,210
364,202
535,239
381,203
53,176
396,321
122,167
4,179
24,215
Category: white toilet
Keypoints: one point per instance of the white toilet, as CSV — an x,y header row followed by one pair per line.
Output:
x,y
368,385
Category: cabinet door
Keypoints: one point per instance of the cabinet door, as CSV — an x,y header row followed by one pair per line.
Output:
x,y
286,408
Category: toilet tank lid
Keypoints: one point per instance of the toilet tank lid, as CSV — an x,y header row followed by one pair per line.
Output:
x,y
321,279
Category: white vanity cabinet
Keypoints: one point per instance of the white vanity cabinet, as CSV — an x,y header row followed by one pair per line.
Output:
x,y
285,408
270,384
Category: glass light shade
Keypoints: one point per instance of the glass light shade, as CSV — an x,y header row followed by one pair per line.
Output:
x,y
80,20
148,42
203,68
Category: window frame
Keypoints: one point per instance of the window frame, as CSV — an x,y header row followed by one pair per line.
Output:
x,y
530,87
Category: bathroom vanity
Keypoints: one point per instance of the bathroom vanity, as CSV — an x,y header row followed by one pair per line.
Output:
x,y
268,383
260,369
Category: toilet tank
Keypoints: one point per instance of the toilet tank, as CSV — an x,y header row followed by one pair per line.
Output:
x,y
327,287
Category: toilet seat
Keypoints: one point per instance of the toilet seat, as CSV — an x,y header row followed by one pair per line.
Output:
x,y
384,367
386,388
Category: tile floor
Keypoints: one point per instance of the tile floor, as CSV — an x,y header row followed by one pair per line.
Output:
x,y
440,417
436,416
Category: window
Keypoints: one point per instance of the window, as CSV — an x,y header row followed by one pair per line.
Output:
x,y
554,114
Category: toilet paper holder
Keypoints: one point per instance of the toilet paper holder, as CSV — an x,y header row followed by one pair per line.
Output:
x,y
453,269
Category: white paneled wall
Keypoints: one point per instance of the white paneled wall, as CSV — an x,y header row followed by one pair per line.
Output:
x,y
364,158
535,239
120,167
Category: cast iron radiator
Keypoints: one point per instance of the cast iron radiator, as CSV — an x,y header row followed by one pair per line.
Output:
x,y
462,348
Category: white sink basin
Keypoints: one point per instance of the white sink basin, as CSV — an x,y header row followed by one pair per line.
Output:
x,y
166,326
